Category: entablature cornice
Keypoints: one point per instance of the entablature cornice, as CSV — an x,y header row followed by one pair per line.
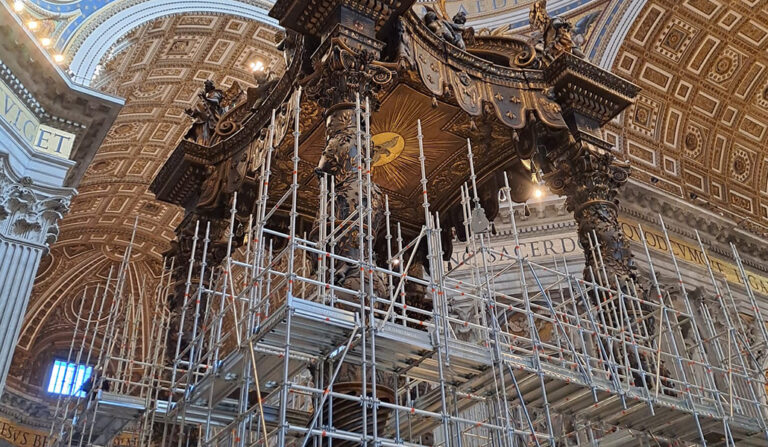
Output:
x,y
27,69
645,204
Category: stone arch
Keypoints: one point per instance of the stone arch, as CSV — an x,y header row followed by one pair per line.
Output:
x,y
102,30
616,23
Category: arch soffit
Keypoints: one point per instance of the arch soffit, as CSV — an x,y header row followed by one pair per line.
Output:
x,y
102,30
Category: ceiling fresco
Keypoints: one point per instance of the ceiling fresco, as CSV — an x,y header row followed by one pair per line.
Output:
x,y
160,70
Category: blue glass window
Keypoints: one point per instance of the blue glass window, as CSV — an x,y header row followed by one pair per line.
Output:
x,y
68,378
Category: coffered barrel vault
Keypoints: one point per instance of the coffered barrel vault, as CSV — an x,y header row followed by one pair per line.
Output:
x,y
83,32
159,69
699,129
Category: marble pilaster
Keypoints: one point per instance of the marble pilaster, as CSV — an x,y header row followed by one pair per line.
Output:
x,y
29,217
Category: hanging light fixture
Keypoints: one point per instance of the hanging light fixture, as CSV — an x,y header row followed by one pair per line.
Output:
x,y
537,178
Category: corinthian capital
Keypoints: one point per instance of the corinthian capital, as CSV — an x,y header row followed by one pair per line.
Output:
x,y
27,213
344,73
588,176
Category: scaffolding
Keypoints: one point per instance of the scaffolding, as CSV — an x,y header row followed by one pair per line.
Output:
x,y
558,360
119,398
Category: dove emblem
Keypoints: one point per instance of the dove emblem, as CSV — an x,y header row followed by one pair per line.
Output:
x,y
387,146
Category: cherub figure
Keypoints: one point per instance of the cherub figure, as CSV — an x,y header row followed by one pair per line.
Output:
x,y
450,31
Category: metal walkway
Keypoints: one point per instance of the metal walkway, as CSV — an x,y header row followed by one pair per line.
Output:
x,y
102,418
319,330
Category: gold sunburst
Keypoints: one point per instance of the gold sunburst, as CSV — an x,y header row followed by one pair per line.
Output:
x,y
398,116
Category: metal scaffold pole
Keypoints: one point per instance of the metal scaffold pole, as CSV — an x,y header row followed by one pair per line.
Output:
x,y
500,349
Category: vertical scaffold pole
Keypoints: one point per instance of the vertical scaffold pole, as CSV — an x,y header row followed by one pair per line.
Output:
x,y
192,365
491,307
96,330
358,161
180,333
532,327
719,296
672,340
111,334
283,422
370,264
711,383
432,271
63,375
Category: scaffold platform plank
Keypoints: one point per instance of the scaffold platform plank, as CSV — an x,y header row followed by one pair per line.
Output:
x,y
226,411
317,330
227,376
109,414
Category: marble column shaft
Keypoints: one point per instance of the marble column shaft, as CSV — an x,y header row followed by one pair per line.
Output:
x,y
29,217
18,266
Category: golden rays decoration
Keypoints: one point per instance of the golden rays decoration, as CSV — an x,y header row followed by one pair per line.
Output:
x,y
394,142
398,170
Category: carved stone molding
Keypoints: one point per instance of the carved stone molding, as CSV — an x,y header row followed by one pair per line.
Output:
x,y
25,410
28,215
685,219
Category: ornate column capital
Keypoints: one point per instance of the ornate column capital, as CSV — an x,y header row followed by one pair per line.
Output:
x,y
27,214
343,72
590,178
587,176
581,165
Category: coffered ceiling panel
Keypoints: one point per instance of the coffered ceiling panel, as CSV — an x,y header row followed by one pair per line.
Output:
x,y
699,129
159,68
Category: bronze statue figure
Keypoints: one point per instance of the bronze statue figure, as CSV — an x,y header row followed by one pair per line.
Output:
x,y
207,113
555,33
451,31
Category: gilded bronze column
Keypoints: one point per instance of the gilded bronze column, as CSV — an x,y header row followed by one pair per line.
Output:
x,y
346,83
590,177
346,69
581,166
346,76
